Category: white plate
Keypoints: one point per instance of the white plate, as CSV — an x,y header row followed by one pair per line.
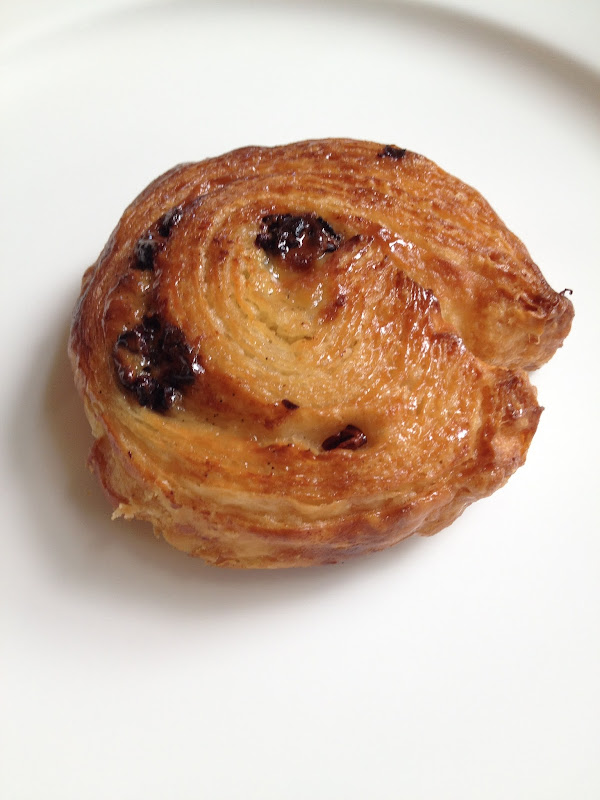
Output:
x,y
462,666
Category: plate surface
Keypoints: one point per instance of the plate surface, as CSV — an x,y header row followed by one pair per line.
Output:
x,y
461,666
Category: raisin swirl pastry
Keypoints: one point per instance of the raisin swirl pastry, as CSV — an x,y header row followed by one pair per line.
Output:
x,y
294,355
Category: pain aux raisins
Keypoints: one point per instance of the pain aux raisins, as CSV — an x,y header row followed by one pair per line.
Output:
x,y
298,239
155,363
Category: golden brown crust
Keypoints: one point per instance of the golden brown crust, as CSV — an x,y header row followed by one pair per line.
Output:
x,y
302,406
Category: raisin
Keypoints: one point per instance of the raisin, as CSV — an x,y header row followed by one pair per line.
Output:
x,y
169,221
298,239
391,151
351,438
154,362
145,251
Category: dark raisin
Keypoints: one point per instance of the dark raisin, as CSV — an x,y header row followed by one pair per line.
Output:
x,y
298,239
167,398
145,251
169,221
148,391
151,325
154,362
175,352
351,438
289,405
391,151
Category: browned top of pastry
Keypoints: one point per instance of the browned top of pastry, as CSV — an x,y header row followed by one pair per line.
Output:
x,y
438,230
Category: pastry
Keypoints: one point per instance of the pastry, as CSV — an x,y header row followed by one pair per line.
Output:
x,y
294,355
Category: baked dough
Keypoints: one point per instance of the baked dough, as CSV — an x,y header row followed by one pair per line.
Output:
x,y
294,355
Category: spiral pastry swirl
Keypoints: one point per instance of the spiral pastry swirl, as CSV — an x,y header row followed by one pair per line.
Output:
x,y
293,355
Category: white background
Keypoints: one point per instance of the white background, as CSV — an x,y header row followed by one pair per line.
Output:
x,y
570,26
461,666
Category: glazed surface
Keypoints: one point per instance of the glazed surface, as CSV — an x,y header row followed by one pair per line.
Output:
x,y
293,355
